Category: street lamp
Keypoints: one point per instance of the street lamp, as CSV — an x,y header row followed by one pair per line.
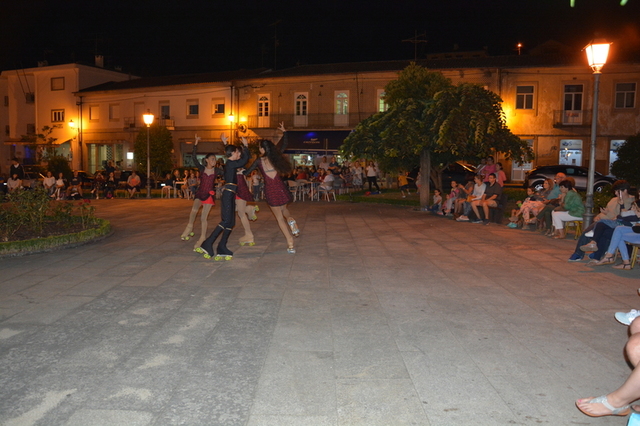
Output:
x,y
597,52
148,119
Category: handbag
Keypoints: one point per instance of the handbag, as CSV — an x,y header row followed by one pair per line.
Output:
x,y
636,228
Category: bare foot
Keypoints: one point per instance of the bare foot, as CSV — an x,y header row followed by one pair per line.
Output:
x,y
598,407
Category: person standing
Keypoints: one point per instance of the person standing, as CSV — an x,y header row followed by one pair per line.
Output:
x,y
236,158
273,165
372,176
245,212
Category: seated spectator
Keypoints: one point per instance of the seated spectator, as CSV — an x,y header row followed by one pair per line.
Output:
x,y
528,209
110,186
571,208
451,199
597,236
490,198
463,193
61,184
334,167
75,186
133,183
49,184
324,164
476,195
551,202
617,403
192,182
302,174
98,184
621,236
14,183
327,180
436,207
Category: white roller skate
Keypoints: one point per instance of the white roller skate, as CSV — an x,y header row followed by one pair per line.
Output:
x,y
294,227
291,250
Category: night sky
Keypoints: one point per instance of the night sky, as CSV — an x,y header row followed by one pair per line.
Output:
x,y
181,37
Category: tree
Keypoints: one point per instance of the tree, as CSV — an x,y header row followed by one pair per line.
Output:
x,y
433,123
626,166
43,144
161,144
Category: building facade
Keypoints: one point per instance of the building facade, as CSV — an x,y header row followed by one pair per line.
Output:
x,y
45,96
547,100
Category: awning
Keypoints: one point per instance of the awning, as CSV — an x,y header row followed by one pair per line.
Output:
x,y
315,142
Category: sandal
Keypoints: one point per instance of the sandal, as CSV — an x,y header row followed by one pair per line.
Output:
x,y
623,266
621,411
607,260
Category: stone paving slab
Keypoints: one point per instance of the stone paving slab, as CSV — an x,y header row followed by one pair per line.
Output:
x,y
384,316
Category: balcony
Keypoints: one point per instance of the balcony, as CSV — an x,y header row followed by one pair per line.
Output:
x,y
130,123
169,123
311,121
565,119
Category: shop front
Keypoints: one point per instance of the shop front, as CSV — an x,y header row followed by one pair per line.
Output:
x,y
306,148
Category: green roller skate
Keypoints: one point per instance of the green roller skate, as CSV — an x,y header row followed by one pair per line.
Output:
x,y
188,233
248,243
254,217
220,257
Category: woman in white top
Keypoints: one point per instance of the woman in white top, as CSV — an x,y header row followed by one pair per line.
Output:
x,y
372,176
49,184
476,194
14,183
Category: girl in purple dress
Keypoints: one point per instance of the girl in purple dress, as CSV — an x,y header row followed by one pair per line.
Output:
x,y
245,212
273,165
204,196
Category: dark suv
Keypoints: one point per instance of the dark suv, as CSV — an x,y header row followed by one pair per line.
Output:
x,y
580,174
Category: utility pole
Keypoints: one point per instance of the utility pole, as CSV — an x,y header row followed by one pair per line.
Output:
x,y
415,40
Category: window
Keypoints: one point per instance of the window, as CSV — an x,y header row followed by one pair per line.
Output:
x,y
573,97
7,130
57,83
342,103
524,97
625,95
382,104
6,101
165,110
301,104
217,107
94,112
114,112
31,128
57,115
193,108
263,106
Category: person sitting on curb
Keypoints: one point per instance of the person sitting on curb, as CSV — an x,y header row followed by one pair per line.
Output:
x,y
490,198
476,194
617,403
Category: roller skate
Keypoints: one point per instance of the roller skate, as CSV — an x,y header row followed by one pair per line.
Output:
x,y
247,241
294,227
188,233
205,253
197,245
291,250
220,257
223,252
253,216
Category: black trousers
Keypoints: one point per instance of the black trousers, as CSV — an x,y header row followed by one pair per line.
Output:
x,y
228,216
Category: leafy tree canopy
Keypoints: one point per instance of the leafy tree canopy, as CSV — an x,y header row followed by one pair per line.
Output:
x,y
626,166
161,147
431,120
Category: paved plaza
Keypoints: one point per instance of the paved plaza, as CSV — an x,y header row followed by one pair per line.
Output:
x,y
384,316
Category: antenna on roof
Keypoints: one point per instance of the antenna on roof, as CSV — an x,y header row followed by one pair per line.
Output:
x,y
415,40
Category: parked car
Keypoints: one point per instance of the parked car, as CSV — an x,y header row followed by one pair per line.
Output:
x,y
537,176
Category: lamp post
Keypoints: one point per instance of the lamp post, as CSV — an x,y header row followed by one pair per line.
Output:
x,y
597,52
148,119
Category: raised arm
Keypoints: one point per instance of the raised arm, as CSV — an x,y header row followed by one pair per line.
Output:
x,y
285,139
194,154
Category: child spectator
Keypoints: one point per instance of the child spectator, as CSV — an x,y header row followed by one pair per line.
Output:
x,y
528,209
436,207
476,194
451,198
403,183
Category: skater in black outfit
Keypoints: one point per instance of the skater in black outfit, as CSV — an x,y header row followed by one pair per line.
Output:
x,y
237,157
